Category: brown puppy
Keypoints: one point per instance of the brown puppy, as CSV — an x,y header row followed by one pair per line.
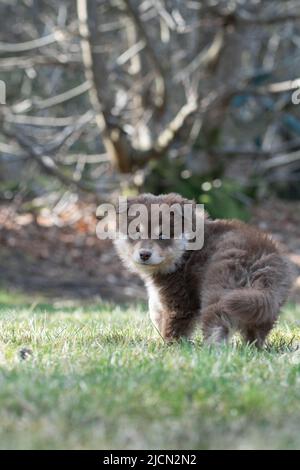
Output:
x,y
238,280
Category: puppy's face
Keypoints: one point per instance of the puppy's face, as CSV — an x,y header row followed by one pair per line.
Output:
x,y
151,245
147,255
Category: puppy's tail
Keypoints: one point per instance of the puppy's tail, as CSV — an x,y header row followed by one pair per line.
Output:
x,y
251,306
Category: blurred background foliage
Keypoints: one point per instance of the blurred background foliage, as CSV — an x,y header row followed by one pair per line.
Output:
x,y
123,96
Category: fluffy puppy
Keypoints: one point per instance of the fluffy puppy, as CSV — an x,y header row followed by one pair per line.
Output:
x,y
238,280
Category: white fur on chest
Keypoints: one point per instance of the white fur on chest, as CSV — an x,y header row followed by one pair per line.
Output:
x,y
154,303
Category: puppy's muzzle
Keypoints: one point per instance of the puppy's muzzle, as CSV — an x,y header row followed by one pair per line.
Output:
x,y
145,255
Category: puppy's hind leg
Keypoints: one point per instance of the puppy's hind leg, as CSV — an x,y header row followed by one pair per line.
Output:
x,y
215,324
253,311
256,335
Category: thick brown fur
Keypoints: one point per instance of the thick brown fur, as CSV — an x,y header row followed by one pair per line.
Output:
x,y
239,280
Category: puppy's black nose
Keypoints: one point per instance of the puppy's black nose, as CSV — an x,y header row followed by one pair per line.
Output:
x,y
145,255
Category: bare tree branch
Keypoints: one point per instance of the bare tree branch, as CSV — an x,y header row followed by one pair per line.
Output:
x,y
43,157
244,18
251,20
40,121
113,143
8,48
158,70
131,52
13,63
206,57
62,97
281,160
281,87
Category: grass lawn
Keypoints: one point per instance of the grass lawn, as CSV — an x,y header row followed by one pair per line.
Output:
x,y
100,377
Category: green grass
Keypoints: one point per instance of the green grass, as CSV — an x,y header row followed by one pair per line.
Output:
x,y
100,377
